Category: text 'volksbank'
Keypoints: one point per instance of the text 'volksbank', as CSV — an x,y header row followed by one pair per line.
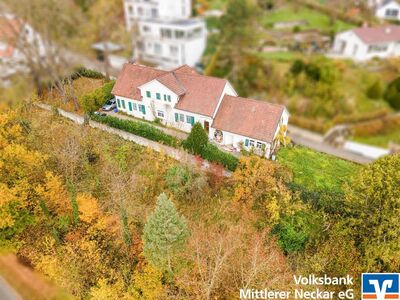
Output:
x,y
307,291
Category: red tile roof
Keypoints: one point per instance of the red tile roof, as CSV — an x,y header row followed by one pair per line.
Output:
x,y
376,35
131,77
170,81
202,93
247,117
199,94
185,69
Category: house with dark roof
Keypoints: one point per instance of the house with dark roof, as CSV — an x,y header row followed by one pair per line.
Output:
x,y
182,97
365,43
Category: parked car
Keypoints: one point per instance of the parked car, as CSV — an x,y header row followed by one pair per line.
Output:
x,y
110,105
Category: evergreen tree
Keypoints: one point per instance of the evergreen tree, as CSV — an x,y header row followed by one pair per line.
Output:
x,y
392,94
196,140
165,233
375,91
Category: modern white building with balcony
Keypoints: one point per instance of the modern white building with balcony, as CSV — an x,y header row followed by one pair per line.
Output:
x,y
165,35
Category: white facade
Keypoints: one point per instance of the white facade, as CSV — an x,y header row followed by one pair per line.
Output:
x,y
21,36
171,43
165,35
349,45
156,9
160,102
388,11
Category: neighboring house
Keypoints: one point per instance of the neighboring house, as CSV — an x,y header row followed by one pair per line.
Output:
x,y
182,97
362,44
15,35
388,10
164,33
171,43
156,9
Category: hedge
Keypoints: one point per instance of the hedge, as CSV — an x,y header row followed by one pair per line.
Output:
x,y
310,124
83,72
213,154
357,117
381,126
140,129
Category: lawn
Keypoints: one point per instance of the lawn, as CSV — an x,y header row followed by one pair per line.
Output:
x,y
316,20
315,170
280,56
381,140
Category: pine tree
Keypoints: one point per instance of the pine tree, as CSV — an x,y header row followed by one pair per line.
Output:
x,y
196,140
165,233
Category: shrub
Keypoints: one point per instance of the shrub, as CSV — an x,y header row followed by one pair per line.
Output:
x,y
196,140
213,154
92,101
83,72
184,183
138,128
376,90
392,94
297,67
296,231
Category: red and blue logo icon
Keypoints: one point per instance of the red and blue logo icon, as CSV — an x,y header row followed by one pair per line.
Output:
x,y
380,286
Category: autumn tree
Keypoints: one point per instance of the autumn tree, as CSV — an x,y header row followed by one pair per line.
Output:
x,y
373,205
147,284
44,53
164,234
262,183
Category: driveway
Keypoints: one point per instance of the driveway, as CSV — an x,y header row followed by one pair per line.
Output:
x,y
7,292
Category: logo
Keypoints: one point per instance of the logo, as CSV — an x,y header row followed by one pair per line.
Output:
x,y
380,286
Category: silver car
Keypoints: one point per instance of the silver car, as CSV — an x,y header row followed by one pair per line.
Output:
x,y
110,105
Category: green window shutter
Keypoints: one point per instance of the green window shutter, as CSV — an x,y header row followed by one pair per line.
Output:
x,y
148,94
158,95
169,98
123,104
246,142
165,97
118,103
144,109
130,106
192,121
176,117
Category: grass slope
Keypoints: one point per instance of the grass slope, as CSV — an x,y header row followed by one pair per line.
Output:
x,y
316,170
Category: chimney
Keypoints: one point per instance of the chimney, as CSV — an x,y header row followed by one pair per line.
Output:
x,y
388,30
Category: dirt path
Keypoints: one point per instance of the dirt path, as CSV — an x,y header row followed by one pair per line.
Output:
x,y
24,280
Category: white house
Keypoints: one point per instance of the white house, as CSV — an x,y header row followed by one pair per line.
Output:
x,y
171,43
165,35
388,10
156,9
182,97
365,43
15,35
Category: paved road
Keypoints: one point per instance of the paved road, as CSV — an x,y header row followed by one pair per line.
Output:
x,y
315,141
7,292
